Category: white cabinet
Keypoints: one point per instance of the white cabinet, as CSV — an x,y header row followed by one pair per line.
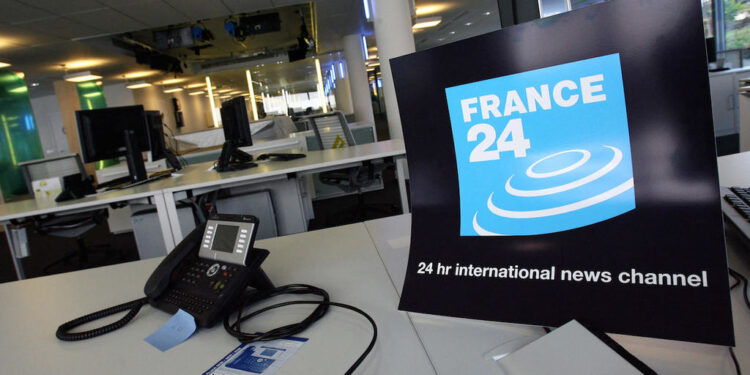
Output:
x,y
724,100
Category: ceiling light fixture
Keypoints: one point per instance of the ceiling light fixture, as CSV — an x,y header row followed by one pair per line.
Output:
x,y
137,85
423,23
83,63
81,77
196,93
174,89
195,85
171,81
140,74
4,64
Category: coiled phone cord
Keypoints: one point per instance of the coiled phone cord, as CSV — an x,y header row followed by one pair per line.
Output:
x,y
134,306
292,329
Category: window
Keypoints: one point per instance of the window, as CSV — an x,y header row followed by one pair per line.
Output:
x,y
736,24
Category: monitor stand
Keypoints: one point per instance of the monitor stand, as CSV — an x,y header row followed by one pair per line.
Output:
x,y
136,166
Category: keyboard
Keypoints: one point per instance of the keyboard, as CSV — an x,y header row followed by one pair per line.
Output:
x,y
126,182
736,208
740,200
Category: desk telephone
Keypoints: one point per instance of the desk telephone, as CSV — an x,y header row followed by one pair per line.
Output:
x,y
205,275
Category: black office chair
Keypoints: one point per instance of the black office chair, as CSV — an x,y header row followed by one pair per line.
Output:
x,y
74,225
332,131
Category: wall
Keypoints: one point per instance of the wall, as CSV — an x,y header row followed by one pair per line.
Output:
x,y
195,109
49,122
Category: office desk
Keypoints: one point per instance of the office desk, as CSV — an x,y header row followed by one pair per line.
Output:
x,y
198,176
341,260
32,207
734,169
165,192
457,346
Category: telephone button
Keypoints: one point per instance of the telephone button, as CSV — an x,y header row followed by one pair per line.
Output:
x,y
213,270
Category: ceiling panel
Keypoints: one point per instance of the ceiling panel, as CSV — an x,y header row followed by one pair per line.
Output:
x,y
200,9
59,7
15,12
61,27
154,13
245,6
108,21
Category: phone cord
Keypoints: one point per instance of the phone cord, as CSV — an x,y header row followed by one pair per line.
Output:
x,y
134,306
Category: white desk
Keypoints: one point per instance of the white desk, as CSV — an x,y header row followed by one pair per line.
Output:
x,y
198,177
457,346
32,207
341,260
163,192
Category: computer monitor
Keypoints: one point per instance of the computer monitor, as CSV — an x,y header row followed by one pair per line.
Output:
x,y
236,123
113,132
711,49
156,135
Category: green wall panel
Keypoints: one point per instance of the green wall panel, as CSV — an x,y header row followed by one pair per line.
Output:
x,y
19,139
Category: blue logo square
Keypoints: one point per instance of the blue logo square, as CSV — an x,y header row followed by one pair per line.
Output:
x,y
542,151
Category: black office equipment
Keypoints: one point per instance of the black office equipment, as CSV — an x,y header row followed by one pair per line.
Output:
x,y
204,275
235,122
213,273
76,186
113,132
280,156
233,159
157,146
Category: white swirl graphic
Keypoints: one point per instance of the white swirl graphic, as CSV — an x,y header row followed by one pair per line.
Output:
x,y
616,159
530,171
481,231
627,185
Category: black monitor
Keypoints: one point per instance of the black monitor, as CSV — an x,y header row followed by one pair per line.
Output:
x,y
711,49
156,135
236,123
113,132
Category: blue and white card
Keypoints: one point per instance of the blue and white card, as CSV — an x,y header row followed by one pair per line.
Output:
x,y
542,151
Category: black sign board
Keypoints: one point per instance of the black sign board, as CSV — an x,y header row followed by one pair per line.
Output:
x,y
565,169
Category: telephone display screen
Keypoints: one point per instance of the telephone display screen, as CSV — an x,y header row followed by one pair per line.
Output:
x,y
225,237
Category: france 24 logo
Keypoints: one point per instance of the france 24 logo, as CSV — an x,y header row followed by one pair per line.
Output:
x,y
542,151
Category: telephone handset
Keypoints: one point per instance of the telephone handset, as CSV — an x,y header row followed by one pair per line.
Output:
x,y
205,275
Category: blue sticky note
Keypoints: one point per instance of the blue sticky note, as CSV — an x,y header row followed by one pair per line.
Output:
x,y
176,330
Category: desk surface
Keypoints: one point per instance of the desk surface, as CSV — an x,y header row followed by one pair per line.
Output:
x,y
734,169
341,260
457,345
198,175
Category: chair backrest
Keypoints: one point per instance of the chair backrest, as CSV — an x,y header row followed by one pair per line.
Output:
x,y
331,130
60,166
283,126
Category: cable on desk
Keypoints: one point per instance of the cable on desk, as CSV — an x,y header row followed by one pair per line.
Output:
x,y
235,330
734,359
742,280
134,306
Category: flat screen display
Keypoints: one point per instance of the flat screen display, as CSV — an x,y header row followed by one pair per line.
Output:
x,y
226,236
102,134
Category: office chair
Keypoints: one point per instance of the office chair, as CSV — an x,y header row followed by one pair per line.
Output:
x,y
332,131
73,225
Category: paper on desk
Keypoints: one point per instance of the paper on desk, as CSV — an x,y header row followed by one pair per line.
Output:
x,y
265,357
176,330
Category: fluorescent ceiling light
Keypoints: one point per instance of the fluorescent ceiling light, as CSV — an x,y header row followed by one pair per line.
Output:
x,y
83,63
4,64
423,23
174,89
196,93
171,81
427,9
138,85
81,77
195,85
140,74
367,9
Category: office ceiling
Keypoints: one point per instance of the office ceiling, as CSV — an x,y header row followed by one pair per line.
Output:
x,y
38,36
